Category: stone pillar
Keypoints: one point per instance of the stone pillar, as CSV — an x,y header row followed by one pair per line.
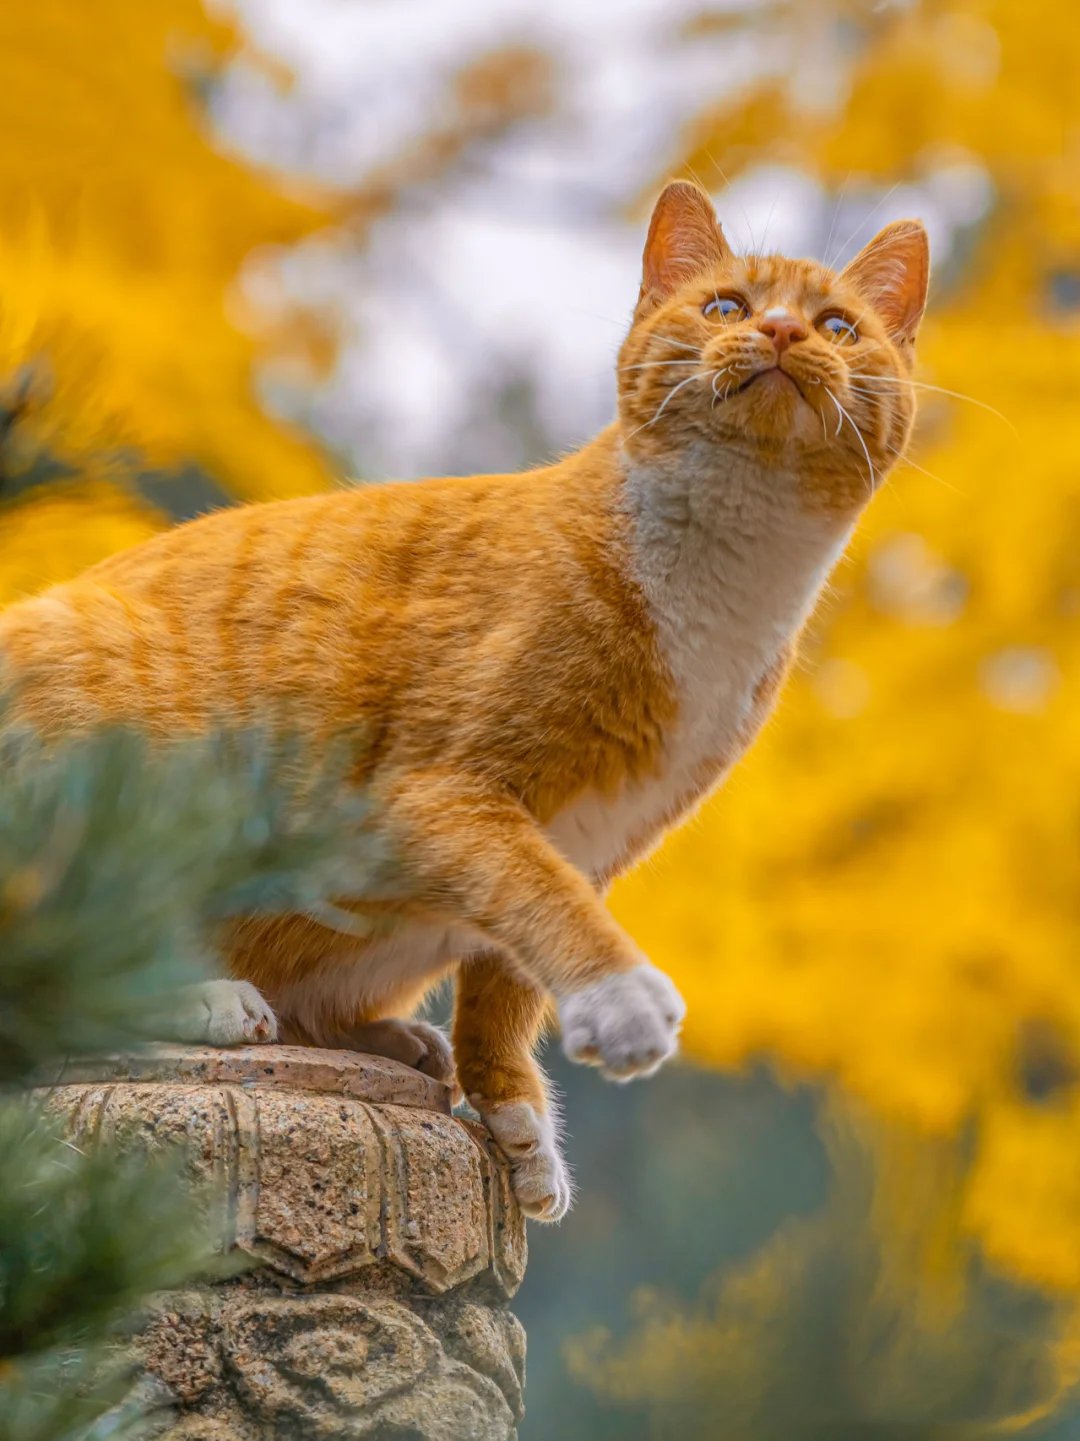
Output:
x,y
383,1234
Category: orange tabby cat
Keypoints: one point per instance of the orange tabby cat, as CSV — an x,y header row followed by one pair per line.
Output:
x,y
548,669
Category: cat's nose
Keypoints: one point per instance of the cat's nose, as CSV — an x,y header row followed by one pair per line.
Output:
x,y
782,328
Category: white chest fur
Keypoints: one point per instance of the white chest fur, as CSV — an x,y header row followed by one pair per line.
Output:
x,y
730,561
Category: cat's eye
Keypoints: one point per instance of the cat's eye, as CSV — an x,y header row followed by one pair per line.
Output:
x,y
839,330
725,308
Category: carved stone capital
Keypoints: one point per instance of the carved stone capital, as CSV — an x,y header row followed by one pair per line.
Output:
x,y
383,1234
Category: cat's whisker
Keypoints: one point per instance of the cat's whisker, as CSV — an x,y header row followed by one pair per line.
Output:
x,y
873,395
682,345
700,375
645,364
894,380
835,216
867,348
727,184
716,376
843,415
865,220
768,222
839,411
930,475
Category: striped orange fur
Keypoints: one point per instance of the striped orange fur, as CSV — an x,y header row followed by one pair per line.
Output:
x,y
547,669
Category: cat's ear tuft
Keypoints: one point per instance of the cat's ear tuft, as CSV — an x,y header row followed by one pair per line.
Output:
x,y
892,272
684,240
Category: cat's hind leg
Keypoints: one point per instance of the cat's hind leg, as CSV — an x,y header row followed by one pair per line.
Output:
x,y
415,1043
330,992
220,1013
497,1021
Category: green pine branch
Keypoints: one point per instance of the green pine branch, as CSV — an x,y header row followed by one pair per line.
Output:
x,y
116,862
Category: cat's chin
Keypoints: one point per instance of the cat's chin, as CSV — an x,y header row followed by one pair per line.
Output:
x,y
772,407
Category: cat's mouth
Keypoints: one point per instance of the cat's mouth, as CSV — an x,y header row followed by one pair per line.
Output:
x,y
773,374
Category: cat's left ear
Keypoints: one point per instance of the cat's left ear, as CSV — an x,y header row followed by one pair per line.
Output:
x,y
892,272
684,241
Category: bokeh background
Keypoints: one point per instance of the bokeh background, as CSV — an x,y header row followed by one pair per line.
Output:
x,y
249,248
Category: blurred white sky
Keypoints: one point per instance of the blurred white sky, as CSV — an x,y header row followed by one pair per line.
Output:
x,y
482,317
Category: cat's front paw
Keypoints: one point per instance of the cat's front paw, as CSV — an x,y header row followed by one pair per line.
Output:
x,y
527,1139
223,1013
627,1023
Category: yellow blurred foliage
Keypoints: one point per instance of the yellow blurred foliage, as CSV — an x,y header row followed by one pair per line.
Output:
x,y
122,230
126,344
65,530
888,892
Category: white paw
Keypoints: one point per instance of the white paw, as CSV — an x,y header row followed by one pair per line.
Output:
x,y
224,1013
538,1172
627,1024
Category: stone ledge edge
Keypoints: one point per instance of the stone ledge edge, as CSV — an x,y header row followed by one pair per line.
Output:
x,y
376,1080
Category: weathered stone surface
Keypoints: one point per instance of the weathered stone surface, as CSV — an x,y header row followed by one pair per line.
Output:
x,y
291,1068
383,1233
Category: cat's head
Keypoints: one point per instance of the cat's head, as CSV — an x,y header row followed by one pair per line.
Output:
x,y
807,367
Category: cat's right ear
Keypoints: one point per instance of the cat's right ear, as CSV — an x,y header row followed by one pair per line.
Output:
x,y
684,241
892,272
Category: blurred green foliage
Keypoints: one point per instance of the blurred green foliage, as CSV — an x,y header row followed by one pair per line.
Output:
x,y
115,860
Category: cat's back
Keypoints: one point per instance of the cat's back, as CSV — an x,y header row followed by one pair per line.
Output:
x,y
121,640
327,608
